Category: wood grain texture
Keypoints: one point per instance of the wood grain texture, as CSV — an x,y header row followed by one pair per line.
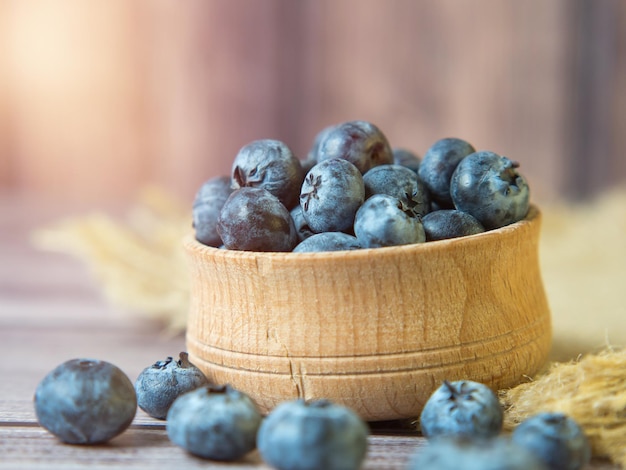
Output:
x,y
377,330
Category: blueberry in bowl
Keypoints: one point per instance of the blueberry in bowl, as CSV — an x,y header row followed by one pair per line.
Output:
x,y
381,283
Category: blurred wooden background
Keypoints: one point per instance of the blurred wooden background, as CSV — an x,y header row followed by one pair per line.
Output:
x,y
99,98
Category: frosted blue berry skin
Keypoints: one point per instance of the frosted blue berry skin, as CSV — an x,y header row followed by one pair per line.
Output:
x,y
400,182
359,142
315,146
160,384
214,422
438,165
331,194
556,439
271,165
383,220
299,435
406,158
328,241
253,219
474,454
207,205
302,227
489,187
85,401
462,409
450,223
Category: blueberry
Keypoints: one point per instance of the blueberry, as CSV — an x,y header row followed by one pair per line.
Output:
x,y
271,165
383,220
450,223
360,142
328,241
214,422
462,408
315,147
207,205
302,227
438,165
253,219
85,401
331,194
488,186
556,439
299,435
307,164
160,384
400,182
407,158
496,453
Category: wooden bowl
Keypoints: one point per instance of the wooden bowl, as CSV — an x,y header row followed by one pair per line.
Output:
x,y
375,329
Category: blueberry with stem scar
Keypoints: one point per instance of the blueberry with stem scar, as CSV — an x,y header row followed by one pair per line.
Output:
x,y
85,401
462,408
489,187
160,384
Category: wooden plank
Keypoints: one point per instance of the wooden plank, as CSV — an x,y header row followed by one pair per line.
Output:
x,y
491,72
141,447
597,94
213,84
617,92
6,137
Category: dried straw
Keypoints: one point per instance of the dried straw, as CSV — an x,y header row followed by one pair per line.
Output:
x,y
591,390
139,262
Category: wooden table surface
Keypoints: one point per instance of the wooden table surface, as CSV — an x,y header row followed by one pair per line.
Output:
x,y
50,311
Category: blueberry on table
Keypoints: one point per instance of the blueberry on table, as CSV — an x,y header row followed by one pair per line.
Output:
x,y
489,187
400,182
271,165
214,422
450,223
407,158
328,241
160,384
556,439
497,453
359,142
253,219
207,205
331,194
438,165
383,220
85,401
464,409
299,435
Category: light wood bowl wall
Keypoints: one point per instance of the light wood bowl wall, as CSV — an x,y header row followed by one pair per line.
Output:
x,y
376,329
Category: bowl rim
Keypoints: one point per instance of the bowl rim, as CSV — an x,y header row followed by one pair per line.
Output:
x,y
533,216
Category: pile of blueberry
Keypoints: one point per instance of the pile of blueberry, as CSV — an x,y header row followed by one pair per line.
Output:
x,y
353,190
88,401
463,423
